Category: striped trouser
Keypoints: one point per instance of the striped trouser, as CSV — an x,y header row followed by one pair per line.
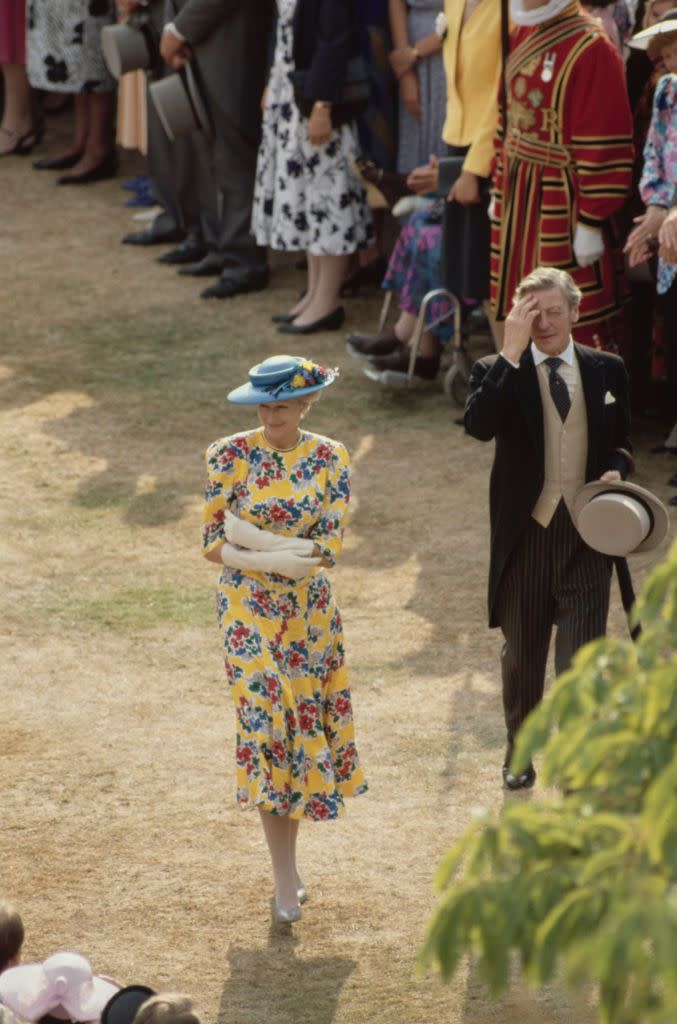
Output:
x,y
552,578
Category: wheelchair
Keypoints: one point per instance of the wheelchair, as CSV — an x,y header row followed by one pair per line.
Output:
x,y
471,340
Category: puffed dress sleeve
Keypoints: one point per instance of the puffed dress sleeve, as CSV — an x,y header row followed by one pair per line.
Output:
x,y
226,473
655,187
328,531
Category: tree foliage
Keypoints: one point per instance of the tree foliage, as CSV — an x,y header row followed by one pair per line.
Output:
x,y
584,883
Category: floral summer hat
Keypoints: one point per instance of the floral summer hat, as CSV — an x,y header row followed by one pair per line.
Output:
x,y
279,378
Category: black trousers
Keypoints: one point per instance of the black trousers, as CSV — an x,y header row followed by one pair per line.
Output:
x,y
552,578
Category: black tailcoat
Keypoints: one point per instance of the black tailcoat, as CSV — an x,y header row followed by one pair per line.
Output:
x,y
504,404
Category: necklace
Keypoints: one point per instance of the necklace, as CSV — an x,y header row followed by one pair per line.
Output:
x,y
290,449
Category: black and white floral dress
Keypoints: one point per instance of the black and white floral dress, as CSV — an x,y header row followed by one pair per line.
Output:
x,y
306,197
64,45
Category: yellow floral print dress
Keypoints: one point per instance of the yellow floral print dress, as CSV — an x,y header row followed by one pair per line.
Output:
x,y
283,639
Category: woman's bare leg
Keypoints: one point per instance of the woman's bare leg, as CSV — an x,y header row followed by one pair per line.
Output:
x,y
99,139
313,278
17,117
278,832
331,272
403,328
293,836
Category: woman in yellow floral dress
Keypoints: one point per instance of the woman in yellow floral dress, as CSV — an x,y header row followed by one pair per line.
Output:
x,y
276,505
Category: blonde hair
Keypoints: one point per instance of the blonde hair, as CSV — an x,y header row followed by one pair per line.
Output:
x,y
549,277
169,1008
11,934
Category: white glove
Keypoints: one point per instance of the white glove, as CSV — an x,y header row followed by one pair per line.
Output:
x,y
491,209
588,245
246,535
410,204
286,563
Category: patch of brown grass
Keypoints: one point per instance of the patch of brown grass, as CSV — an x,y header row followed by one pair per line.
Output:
x,y
120,835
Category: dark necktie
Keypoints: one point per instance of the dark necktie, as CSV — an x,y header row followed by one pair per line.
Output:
x,y
558,388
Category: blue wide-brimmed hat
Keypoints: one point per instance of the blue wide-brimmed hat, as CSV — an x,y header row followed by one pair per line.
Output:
x,y
279,378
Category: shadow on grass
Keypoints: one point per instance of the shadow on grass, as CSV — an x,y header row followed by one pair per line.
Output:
x,y
274,986
152,508
151,393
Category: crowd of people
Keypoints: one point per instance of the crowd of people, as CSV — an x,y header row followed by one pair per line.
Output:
x,y
538,154
318,117
65,988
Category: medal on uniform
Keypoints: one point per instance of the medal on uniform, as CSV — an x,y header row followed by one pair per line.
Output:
x,y
548,66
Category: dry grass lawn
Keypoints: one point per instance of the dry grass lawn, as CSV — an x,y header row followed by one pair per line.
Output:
x,y
120,835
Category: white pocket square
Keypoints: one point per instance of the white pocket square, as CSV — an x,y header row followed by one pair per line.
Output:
x,y
609,399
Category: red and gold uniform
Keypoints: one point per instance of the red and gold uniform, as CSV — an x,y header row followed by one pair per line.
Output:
x,y
564,159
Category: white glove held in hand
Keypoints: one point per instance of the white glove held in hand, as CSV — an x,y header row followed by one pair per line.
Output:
x,y
286,563
246,535
588,245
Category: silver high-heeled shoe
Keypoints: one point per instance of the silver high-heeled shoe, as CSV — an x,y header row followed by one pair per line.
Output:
x,y
286,915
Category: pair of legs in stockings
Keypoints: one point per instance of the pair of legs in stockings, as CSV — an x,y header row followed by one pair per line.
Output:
x,y
325,277
281,832
406,323
93,132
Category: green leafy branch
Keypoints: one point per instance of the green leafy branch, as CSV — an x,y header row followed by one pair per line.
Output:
x,y
585,882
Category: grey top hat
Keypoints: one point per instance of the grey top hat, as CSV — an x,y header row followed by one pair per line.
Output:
x,y
180,105
127,47
619,518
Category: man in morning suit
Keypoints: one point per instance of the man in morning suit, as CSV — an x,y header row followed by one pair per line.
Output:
x,y
175,167
227,41
559,415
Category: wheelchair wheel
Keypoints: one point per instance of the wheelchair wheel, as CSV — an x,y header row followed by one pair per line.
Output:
x,y
455,385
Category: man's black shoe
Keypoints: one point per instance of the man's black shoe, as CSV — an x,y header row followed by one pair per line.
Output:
x,y
513,780
163,231
232,283
189,251
209,264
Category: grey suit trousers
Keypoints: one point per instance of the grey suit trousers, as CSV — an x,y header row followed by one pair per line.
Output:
x,y
179,170
552,578
226,195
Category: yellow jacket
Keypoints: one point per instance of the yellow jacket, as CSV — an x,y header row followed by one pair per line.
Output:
x,y
472,62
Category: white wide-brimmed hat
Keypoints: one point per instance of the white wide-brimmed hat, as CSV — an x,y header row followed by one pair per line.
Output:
x,y
619,518
63,980
127,48
668,23
180,104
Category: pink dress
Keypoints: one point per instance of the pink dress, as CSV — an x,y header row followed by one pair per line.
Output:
x,y
12,32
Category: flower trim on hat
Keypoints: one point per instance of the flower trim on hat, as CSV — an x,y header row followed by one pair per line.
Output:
x,y
307,375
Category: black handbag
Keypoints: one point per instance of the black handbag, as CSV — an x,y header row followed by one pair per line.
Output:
x,y
354,97
465,235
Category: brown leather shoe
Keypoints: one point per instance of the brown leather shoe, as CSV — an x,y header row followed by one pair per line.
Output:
x,y
364,345
425,367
